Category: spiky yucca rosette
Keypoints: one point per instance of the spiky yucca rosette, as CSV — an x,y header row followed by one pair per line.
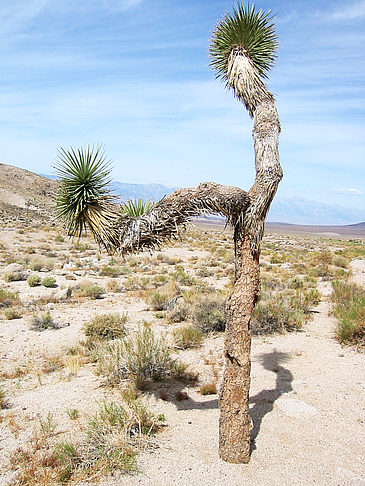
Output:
x,y
84,200
243,49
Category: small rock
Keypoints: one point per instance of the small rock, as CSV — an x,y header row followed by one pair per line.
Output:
x,y
295,408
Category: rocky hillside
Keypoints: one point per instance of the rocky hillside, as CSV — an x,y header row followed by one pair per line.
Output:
x,y
25,196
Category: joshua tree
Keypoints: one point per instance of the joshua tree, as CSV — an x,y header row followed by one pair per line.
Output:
x,y
242,50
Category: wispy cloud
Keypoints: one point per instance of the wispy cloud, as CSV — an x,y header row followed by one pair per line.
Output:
x,y
19,13
354,11
349,190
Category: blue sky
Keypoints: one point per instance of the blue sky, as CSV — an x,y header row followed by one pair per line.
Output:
x,y
135,76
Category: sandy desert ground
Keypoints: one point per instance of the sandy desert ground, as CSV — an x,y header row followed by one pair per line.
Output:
x,y
307,394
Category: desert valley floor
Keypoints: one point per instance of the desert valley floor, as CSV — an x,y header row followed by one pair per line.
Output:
x,y
307,396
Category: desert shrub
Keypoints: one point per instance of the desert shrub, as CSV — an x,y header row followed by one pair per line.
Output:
x,y
349,309
113,437
181,276
340,261
110,271
208,389
208,313
159,280
275,258
284,310
179,312
14,276
59,239
88,289
36,265
13,313
159,299
49,282
204,272
3,398
187,337
113,286
142,356
42,321
33,280
106,326
8,298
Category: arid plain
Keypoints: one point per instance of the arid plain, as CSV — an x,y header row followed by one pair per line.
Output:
x,y
68,402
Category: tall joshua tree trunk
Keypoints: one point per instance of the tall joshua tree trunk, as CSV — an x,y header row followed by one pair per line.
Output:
x,y
235,423
242,49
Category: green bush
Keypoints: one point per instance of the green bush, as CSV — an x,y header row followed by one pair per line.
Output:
x,y
34,280
349,309
90,290
106,326
49,282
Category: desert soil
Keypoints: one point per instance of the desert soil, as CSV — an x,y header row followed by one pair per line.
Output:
x,y
307,400
308,410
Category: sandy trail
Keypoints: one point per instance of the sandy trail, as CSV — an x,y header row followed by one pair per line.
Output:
x,y
308,408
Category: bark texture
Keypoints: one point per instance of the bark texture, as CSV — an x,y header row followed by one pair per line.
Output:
x,y
235,422
162,222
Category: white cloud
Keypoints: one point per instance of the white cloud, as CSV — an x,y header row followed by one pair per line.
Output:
x,y
349,190
355,11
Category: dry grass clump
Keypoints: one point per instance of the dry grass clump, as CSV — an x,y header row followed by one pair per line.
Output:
x,y
34,280
160,299
112,439
113,286
42,321
283,310
179,312
349,309
10,303
340,261
13,313
142,356
88,289
181,276
4,403
106,326
208,312
187,337
208,389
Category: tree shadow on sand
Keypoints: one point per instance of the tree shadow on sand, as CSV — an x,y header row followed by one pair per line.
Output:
x,y
264,401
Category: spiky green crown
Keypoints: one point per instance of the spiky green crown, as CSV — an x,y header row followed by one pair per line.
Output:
x,y
84,175
246,29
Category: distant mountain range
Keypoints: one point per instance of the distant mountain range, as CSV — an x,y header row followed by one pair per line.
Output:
x,y
303,211
294,210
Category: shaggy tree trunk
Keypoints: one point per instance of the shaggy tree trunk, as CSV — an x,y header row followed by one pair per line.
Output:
x,y
235,422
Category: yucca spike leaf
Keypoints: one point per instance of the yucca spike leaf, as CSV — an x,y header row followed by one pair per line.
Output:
x,y
135,208
84,197
248,30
